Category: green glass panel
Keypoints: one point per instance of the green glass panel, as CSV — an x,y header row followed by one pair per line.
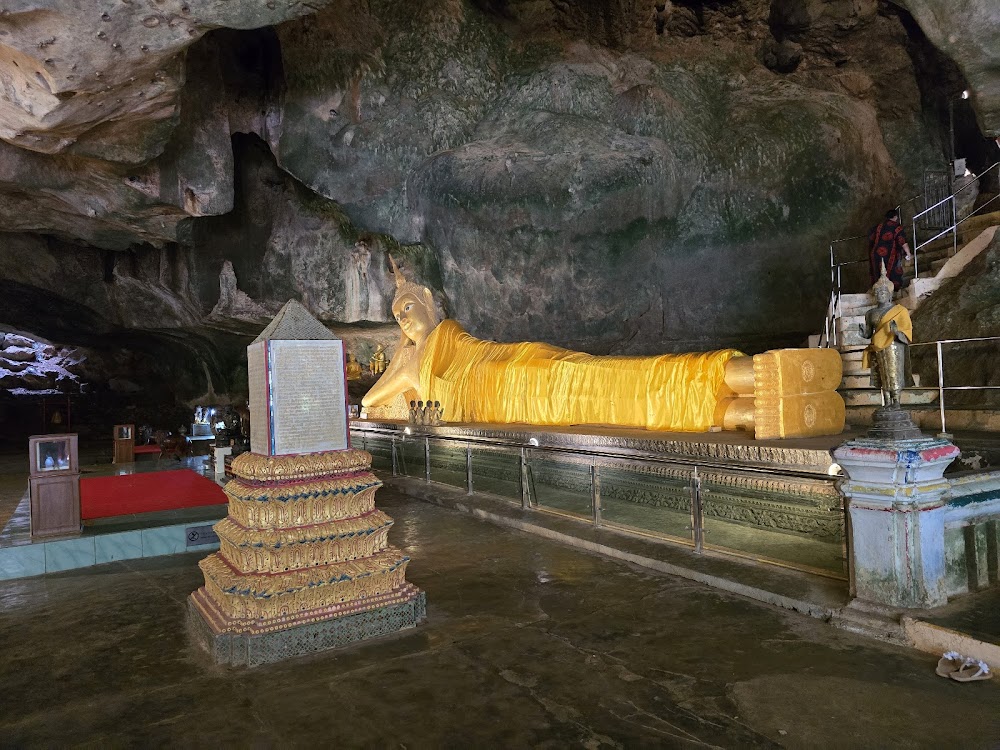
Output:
x,y
380,448
797,523
560,485
410,457
448,463
654,499
497,472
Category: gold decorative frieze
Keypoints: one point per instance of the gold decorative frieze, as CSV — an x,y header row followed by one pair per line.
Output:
x,y
752,455
279,550
268,600
301,504
220,622
257,468
265,585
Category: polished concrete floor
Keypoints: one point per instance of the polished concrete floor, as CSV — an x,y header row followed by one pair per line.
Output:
x,y
528,644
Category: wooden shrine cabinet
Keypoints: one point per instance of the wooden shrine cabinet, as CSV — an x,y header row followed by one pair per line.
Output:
x,y
54,481
124,441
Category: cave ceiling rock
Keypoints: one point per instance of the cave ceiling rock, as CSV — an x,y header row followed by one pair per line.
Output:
x,y
284,241
236,304
367,101
967,31
60,292
338,275
145,315
114,206
102,78
78,198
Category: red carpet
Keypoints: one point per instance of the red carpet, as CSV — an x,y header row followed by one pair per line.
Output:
x,y
120,495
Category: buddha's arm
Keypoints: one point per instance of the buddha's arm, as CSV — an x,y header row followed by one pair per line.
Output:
x,y
401,375
896,334
868,328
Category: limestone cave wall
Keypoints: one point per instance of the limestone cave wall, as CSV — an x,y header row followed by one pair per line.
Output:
x,y
612,176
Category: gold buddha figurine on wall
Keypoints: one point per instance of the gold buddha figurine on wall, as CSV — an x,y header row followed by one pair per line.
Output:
x,y
352,368
377,363
782,393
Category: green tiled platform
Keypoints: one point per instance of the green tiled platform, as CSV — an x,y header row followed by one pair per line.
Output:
x,y
98,545
106,540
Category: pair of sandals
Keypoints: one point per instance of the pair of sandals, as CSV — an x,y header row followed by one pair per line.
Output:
x,y
962,669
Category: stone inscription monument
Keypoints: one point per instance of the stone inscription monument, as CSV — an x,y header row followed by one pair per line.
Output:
x,y
304,564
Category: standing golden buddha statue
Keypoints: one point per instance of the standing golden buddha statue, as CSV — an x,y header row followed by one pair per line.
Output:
x,y
781,393
378,361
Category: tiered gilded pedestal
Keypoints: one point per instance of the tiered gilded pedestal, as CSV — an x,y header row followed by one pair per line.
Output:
x,y
303,564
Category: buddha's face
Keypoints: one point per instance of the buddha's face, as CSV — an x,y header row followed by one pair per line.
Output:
x,y
883,294
413,317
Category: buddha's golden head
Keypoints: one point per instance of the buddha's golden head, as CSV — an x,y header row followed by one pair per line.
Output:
x,y
413,307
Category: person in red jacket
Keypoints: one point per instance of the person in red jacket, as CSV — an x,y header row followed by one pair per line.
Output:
x,y
887,244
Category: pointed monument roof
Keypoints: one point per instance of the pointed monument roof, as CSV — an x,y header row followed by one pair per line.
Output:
x,y
294,323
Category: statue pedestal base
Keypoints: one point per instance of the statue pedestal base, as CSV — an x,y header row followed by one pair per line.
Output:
x,y
893,423
895,491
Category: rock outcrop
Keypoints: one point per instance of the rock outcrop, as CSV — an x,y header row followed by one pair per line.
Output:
x,y
968,32
104,80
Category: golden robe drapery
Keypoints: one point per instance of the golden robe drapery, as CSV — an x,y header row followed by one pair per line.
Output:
x,y
532,383
883,335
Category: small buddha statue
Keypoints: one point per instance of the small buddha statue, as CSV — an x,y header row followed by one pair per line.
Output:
x,y
353,368
413,412
890,330
438,412
419,414
379,361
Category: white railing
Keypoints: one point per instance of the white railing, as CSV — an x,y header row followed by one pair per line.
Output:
x,y
940,371
941,387
950,203
837,266
829,337
833,312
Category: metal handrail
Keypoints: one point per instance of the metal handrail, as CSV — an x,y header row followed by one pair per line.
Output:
x,y
955,221
941,387
836,266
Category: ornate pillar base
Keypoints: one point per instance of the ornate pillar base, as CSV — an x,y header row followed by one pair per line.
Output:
x,y
303,562
894,489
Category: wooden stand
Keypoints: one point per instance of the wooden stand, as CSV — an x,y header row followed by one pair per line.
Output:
x,y
54,481
124,438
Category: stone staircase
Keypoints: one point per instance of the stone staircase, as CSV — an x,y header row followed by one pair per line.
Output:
x,y
938,261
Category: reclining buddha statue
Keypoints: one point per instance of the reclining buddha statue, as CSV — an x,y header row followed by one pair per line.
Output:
x,y
781,393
